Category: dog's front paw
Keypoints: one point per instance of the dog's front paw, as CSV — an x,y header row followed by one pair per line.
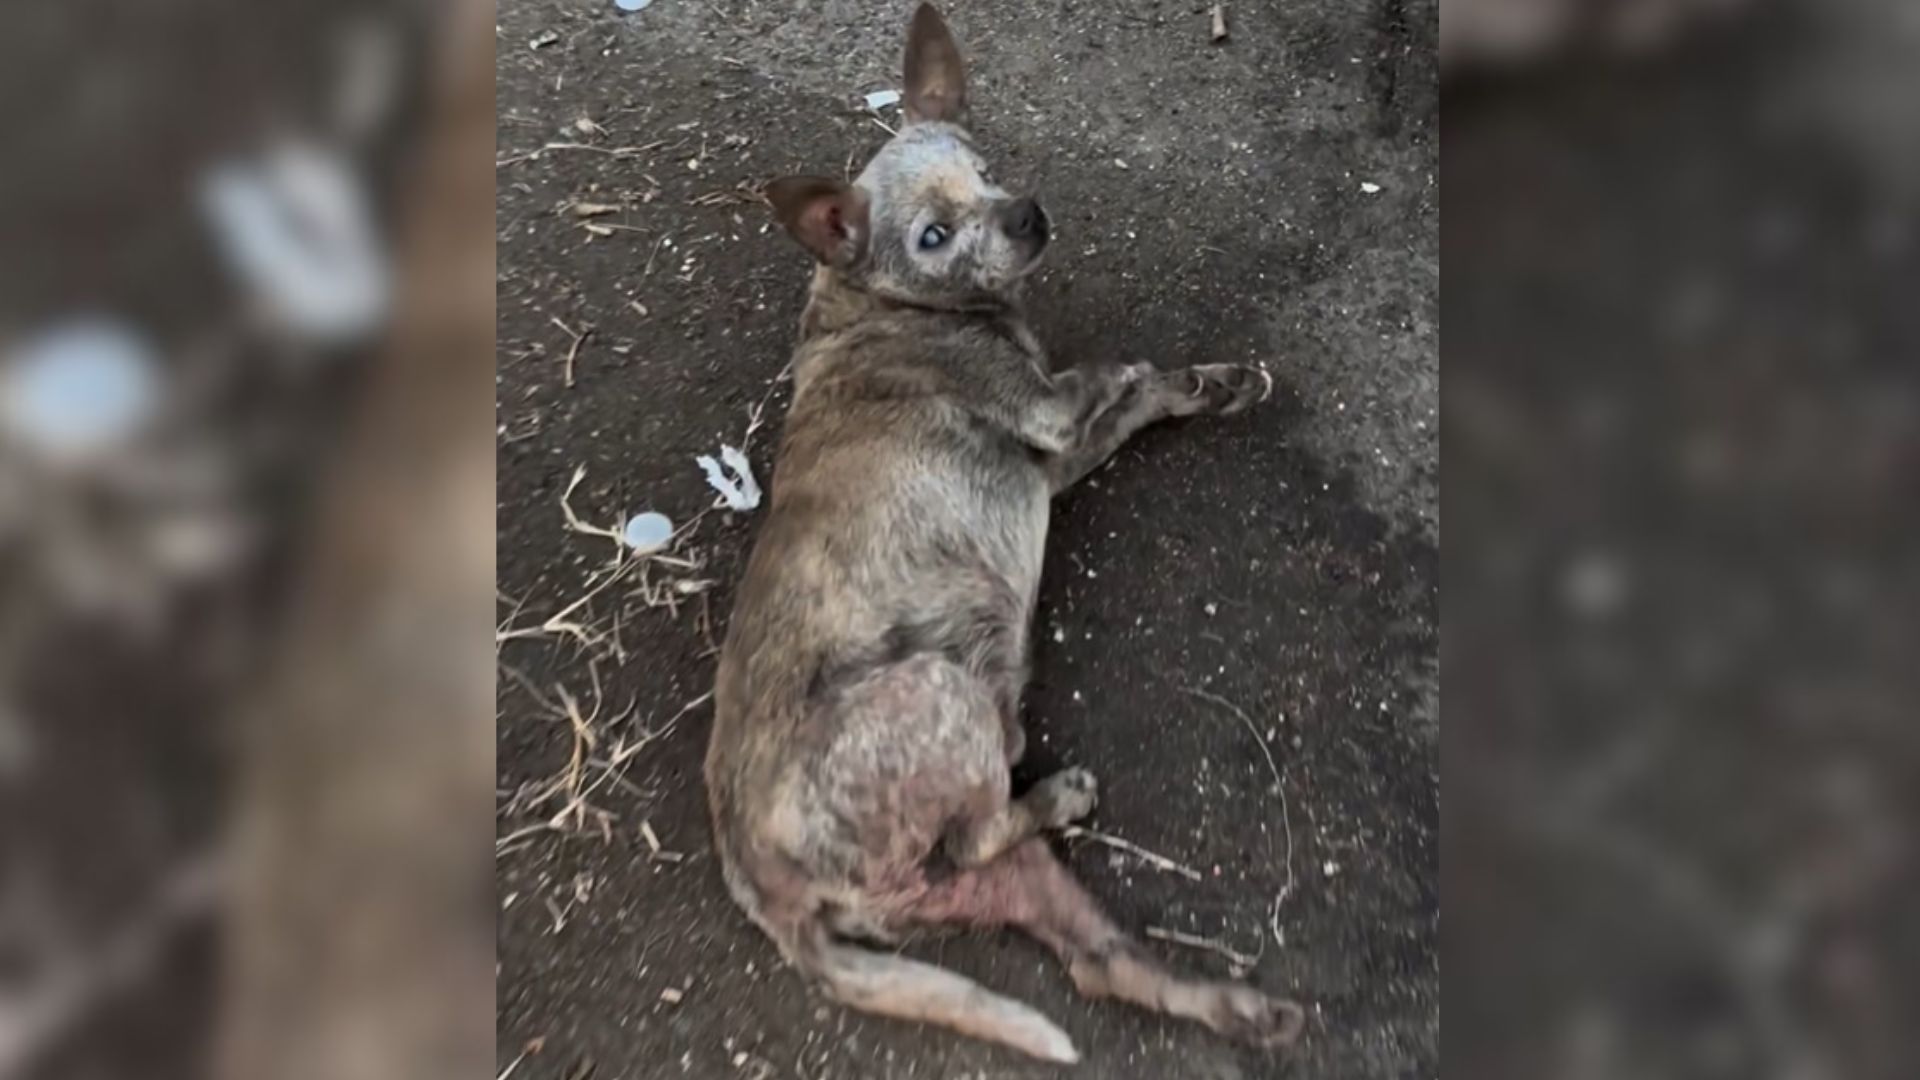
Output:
x,y
1223,389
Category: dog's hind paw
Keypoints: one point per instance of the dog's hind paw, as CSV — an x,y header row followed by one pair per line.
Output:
x,y
1249,1016
1224,389
1065,797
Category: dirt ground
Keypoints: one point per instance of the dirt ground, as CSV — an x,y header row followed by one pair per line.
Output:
x,y
1270,198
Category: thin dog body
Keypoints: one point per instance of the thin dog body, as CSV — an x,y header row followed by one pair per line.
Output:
x,y
868,695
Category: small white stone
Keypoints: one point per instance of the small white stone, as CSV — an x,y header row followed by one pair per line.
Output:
x,y
648,532
79,388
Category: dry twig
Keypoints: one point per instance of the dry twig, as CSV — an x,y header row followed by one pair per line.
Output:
x,y
1154,859
578,337
1238,959
1286,817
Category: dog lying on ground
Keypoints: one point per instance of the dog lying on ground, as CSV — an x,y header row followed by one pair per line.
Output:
x,y
868,695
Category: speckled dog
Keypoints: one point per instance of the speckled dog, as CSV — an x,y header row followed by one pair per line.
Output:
x,y
868,696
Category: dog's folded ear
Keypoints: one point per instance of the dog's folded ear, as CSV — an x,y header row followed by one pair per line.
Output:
x,y
828,217
936,79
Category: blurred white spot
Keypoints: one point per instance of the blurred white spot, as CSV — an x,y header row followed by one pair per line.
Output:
x,y
647,532
739,491
1595,585
195,545
295,227
1369,187
881,99
78,389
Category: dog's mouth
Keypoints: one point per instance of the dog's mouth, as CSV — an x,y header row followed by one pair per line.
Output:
x,y
1036,244
1033,261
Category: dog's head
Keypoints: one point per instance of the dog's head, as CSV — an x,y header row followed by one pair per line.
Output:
x,y
924,223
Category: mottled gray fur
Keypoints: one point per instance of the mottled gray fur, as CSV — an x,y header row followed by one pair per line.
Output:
x,y
867,702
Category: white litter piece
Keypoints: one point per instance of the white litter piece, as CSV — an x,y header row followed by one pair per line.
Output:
x,y
1370,187
296,228
632,5
740,492
648,532
883,99
79,388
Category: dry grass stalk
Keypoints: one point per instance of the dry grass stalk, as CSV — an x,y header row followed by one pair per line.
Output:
x,y
1153,858
1242,963
1286,817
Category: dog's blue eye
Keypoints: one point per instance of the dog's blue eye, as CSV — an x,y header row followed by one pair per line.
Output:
x,y
932,237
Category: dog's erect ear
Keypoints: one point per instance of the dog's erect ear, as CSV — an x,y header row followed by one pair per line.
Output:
x,y
828,217
936,79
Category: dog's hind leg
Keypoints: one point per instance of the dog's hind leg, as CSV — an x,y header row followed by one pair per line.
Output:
x,y
1028,888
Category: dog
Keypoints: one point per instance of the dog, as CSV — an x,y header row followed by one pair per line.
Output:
x,y
866,705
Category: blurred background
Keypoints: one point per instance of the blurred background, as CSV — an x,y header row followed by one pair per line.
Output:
x,y
245,538
1680,446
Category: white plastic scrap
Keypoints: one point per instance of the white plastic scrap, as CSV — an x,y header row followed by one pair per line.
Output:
x,y
647,532
78,388
882,99
739,492
296,228
1369,187
632,5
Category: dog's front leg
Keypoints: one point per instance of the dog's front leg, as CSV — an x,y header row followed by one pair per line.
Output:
x,y
1117,401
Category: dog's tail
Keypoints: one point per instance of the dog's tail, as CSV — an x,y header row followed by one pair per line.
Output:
x,y
892,985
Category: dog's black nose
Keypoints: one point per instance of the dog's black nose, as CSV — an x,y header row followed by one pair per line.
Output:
x,y
1026,221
